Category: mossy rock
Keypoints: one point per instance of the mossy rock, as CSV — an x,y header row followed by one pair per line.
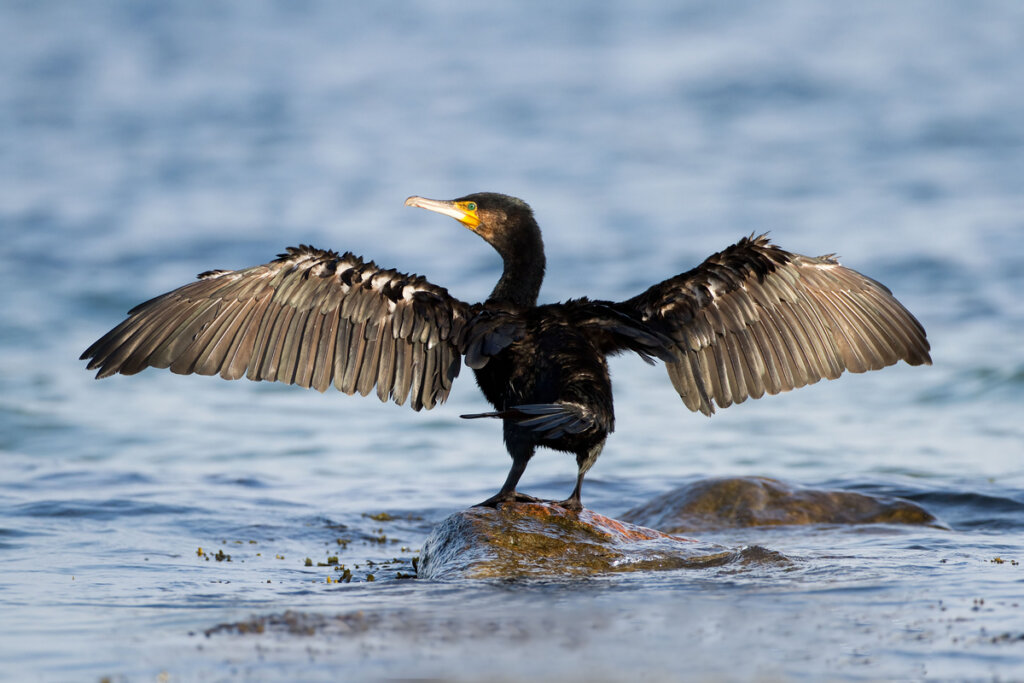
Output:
x,y
519,540
733,502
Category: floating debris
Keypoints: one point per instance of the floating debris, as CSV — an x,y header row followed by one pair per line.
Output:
x,y
220,555
380,517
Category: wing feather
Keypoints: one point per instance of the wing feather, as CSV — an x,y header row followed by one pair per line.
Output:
x,y
324,364
220,337
403,372
308,349
275,344
353,358
262,348
370,367
236,360
386,367
766,341
416,376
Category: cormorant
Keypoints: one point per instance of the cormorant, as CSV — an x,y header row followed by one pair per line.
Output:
x,y
750,320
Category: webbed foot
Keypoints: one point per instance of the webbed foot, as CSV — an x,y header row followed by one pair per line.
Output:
x,y
509,497
571,504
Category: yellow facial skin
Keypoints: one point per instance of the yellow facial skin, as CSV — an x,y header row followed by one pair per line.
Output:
x,y
470,218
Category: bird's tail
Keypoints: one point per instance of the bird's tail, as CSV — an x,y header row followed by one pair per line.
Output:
x,y
551,420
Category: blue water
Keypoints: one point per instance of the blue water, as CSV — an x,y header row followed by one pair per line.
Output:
x,y
144,142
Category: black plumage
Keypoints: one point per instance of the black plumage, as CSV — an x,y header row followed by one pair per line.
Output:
x,y
750,320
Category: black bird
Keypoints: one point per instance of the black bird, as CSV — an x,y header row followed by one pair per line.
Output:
x,y
750,320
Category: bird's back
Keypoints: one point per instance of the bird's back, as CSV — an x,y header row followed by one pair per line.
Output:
x,y
560,358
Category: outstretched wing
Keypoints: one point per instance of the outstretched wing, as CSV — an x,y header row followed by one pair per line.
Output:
x,y
755,319
310,317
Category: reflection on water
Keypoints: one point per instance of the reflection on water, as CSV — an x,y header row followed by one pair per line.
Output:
x,y
148,142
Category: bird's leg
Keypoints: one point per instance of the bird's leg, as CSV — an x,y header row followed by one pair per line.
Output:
x,y
585,461
508,494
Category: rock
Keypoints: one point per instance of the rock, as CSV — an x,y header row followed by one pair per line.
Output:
x,y
520,540
731,502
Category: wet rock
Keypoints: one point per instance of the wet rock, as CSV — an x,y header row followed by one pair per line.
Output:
x,y
731,502
530,539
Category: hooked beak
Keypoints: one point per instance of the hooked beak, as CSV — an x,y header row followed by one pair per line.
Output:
x,y
456,210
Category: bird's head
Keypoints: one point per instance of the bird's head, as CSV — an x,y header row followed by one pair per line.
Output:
x,y
505,222
508,225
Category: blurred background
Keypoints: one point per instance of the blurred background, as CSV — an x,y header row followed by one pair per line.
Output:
x,y
144,142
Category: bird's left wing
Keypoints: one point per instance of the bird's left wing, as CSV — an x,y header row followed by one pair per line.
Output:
x,y
311,317
755,319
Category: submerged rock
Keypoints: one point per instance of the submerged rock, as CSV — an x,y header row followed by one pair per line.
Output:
x,y
534,539
731,502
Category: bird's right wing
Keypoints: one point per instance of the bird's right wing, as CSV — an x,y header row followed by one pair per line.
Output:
x,y
755,319
311,318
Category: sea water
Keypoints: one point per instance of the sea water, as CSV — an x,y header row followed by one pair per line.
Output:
x,y
145,520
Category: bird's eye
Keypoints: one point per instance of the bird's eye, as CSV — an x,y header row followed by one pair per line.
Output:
x,y
470,206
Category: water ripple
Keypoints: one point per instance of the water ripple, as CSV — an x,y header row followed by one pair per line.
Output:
x,y
99,510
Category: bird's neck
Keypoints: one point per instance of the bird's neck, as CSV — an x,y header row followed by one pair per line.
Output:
x,y
523,274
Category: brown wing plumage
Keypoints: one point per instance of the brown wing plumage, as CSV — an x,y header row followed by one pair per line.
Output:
x,y
755,319
311,317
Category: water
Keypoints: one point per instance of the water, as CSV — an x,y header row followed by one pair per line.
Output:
x,y
145,142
